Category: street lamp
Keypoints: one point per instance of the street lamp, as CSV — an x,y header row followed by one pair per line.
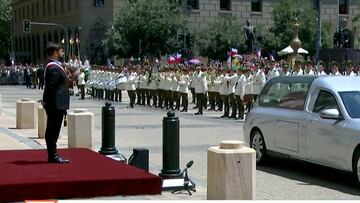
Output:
x,y
318,45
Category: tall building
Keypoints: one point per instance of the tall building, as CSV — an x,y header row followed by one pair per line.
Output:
x,y
85,20
88,20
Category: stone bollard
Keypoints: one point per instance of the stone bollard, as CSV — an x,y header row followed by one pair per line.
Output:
x,y
42,119
231,172
25,114
171,147
80,128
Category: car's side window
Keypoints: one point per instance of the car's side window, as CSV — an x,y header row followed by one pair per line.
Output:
x,y
325,100
284,95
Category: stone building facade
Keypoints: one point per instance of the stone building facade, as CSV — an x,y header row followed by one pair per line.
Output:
x,y
89,19
86,20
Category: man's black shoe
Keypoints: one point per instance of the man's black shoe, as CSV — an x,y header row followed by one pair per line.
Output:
x,y
198,113
58,159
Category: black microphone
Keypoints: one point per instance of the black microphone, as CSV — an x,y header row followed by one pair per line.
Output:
x,y
188,165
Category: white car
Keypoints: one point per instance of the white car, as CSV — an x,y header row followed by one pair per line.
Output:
x,y
312,118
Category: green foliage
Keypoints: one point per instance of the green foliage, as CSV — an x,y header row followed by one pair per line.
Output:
x,y
285,14
216,39
154,22
5,27
356,24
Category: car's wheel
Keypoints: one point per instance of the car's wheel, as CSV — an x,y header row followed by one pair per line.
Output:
x,y
258,144
356,166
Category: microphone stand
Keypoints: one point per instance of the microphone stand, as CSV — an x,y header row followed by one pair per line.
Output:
x,y
186,187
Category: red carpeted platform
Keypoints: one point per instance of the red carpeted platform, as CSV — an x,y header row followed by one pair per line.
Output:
x,y
26,175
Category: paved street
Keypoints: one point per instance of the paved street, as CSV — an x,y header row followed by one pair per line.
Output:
x,y
141,127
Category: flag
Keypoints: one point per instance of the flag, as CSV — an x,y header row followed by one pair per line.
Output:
x,y
171,60
232,52
258,53
63,41
272,58
71,41
77,40
178,58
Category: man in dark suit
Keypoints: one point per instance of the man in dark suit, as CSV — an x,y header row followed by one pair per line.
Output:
x,y
55,100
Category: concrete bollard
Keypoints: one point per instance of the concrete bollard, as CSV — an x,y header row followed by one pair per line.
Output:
x,y
80,128
42,119
231,172
25,114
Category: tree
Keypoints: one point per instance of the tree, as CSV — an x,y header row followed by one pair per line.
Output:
x,y
146,26
215,40
5,28
285,14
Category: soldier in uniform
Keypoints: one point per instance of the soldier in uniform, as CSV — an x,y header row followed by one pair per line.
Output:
x,y
335,69
259,80
153,86
298,69
231,80
240,92
350,68
200,89
212,88
138,91
142,87
192,87
322,68
184,83
309,68
130,87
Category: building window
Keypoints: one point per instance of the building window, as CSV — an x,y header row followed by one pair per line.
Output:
x,y
28,12
19,14
32,11
15,16
69,5
225,5
49,8
23,13
343,6
37,9
43,8
99,3
256,6
193,4
62,6
55,7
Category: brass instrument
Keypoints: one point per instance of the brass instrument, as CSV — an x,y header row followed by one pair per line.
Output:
x,y
178,74
212,75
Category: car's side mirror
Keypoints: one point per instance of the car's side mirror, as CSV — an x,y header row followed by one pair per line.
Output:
x,y
331,114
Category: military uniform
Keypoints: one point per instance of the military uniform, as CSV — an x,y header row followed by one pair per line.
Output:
x,y
239,94
200,90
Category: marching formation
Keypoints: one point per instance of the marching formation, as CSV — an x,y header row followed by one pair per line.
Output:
x,y
213,87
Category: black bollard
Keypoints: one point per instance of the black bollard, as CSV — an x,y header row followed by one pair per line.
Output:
x,y
171,148
108,130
